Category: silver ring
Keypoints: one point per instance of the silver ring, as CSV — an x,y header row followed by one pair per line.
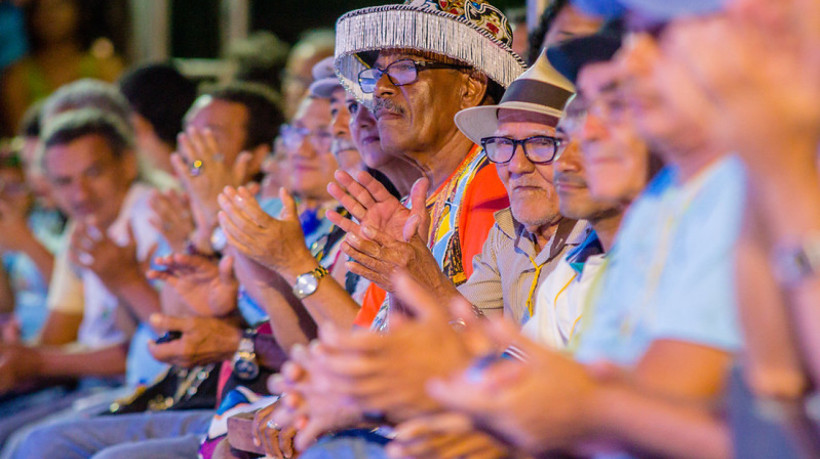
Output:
x,y
458,324
85,258
196,168
273,425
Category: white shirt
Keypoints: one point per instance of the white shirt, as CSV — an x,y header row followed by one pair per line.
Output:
x,y
75,290
560,301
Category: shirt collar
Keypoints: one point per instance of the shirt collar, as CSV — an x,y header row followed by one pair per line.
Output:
x,y
578,256
569,232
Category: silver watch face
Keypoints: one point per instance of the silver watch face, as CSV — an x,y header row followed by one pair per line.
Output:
x,y
218,239
305,285
245,367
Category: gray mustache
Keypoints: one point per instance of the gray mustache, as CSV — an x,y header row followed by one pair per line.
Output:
x,y
569,179
340,145
386,104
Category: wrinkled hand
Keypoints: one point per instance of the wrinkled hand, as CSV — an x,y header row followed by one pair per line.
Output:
x,y
310,403
14,230
207,288
204,340
113,264
214,175
277,244
378,258
369,202
277,442
444,436
388,373
172,217
509,397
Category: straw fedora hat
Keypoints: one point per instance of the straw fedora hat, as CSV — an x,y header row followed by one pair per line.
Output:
x,y
541,89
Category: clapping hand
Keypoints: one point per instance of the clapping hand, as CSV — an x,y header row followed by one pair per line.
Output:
x,y
208,288
204,173
277,244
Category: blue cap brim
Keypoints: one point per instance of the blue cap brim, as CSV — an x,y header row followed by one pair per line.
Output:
x,y
568,57
607,9
656,9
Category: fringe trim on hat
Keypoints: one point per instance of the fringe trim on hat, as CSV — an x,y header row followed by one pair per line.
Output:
x,y
404,26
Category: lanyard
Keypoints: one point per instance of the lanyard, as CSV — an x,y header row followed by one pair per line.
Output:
x,y
530,299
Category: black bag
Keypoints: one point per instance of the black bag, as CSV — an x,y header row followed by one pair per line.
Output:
x,y
177,389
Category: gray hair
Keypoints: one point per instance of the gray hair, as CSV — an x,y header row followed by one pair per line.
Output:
x,y
69,126
89,94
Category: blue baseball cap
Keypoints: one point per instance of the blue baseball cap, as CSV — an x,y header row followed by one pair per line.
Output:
x,y
656,9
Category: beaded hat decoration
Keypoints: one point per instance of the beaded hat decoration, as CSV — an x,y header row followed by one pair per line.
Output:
x,y
470,31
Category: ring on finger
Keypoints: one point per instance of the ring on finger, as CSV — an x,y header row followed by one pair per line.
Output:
x,y
196,168
273,425
85,258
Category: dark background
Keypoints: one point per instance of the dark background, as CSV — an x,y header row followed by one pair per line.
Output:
x,y
194,23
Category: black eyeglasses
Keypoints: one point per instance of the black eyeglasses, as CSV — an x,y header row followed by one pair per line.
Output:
x,y
539,149
402,72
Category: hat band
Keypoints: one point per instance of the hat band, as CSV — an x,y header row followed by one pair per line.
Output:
x,y
536,92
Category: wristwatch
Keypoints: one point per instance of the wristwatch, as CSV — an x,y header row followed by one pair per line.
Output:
x,y
793,264
244,362
307,283
218,240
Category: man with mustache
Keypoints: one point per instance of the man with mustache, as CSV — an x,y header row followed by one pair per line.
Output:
x,y
326,86
414,83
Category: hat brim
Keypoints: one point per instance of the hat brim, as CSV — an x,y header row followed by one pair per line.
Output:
x,y
670,10
324,88
479,122
658,10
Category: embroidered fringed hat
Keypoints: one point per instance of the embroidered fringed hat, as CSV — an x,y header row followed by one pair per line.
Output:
x,y
469,31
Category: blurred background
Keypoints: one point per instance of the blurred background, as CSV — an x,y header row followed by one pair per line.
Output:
x,y
47,43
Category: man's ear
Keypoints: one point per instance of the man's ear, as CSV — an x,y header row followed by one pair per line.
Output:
x,y
475,88
258,155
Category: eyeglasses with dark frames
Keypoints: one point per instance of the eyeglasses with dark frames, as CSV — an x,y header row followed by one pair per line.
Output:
x,y
539,149
401,72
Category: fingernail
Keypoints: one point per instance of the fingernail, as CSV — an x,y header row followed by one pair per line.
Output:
x,y
353,238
